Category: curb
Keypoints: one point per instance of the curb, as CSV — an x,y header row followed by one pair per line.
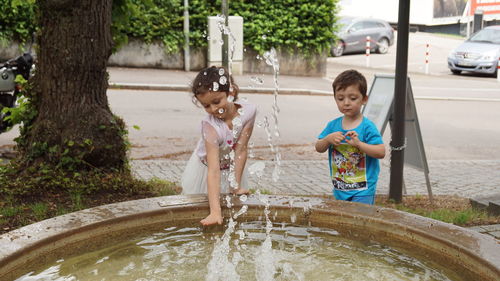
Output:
x,y
267,91
491,204
186,88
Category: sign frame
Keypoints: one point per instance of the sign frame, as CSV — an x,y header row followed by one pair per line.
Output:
x,y
380,110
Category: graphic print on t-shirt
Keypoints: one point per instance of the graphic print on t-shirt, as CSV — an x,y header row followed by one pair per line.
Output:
x,y
348,168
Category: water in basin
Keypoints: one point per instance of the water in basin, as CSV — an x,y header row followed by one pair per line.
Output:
x,y
298,253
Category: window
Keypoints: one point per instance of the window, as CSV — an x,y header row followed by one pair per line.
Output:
x,y
370,24
357,26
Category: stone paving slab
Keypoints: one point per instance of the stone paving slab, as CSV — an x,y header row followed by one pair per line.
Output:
x,y
447,177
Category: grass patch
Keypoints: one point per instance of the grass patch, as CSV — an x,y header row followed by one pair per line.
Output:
x,y
163,187
10,211
39,210
450,209
261,190
26,199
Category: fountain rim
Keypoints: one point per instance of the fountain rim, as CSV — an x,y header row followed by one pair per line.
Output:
x,y
481,248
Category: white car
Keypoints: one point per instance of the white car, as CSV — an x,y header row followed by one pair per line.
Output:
x,y
478,54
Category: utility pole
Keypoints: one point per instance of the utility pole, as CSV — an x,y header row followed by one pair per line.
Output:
x,y
398,143
225,37
187,56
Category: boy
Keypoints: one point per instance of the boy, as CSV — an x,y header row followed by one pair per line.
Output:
x,y
353,142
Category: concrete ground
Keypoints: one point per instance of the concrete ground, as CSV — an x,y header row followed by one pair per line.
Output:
x,y
466,177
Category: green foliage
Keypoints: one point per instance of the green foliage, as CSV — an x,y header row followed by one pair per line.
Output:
x,y
457,217
39,210
45,180
163,187
17,20
25,111
261,191
305,25
46,191
10,211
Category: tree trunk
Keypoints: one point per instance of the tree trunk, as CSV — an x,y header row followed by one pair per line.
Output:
x,y
74,127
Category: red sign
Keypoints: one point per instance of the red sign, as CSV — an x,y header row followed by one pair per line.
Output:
x,y
489,7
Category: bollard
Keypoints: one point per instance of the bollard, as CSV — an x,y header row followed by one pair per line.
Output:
x,y
367,51
427,59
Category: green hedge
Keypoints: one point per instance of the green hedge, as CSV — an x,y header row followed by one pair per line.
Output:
x,y
16,20
285,24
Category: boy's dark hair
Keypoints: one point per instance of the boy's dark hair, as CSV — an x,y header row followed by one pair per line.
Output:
x,y
206,78
349,78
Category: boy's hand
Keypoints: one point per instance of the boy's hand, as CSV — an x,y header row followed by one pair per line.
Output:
x,y
352,138
335,138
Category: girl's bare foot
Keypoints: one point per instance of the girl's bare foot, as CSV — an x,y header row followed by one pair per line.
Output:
x,y
241,191
212,219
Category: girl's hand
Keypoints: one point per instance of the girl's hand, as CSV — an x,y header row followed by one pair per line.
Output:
x,y
335,138
212,219
352,138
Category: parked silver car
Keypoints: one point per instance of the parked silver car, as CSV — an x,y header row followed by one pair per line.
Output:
x,y
479,54
353,32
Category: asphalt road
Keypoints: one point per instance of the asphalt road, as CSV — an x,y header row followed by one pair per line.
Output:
x,y
459,115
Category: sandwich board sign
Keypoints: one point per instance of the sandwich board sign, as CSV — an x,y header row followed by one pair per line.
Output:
x,y
380,109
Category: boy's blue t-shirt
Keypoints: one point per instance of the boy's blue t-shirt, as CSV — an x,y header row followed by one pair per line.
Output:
x,y
353,172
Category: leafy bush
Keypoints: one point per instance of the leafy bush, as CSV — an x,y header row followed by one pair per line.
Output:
x,y
17,20
306,25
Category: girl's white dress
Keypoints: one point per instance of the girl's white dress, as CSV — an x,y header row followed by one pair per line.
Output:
x,y
194,178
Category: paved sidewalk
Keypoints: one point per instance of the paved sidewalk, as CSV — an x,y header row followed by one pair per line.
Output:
x,y
306,177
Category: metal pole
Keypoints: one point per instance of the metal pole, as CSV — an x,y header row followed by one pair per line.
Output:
x,y
398,130
225,37
187,57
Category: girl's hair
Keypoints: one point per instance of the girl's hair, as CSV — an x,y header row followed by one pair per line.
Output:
x,y
214,79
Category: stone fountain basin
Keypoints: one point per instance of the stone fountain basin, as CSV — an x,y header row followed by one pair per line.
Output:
x,y
468,254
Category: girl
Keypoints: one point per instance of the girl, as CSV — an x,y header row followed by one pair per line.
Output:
x,y
218,162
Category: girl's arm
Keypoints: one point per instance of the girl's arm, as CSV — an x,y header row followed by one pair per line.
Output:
x,y
241,154
213,176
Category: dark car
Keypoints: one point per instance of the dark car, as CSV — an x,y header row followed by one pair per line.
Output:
x,y
352,36
478,54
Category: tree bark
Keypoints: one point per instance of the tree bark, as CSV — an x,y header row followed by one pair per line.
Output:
x,y
74,126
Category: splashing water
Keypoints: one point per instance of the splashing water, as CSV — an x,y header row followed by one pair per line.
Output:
x,y
257,80
215,87
271,59
265,260
223,80
224,29
257,168
219,267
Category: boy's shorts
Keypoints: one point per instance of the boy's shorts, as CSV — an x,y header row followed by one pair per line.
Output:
x,y
367,199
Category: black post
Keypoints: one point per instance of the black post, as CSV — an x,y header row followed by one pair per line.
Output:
x,y
225,37
398,128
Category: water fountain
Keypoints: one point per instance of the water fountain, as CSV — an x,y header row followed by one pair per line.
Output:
x,y
84,244
460,254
